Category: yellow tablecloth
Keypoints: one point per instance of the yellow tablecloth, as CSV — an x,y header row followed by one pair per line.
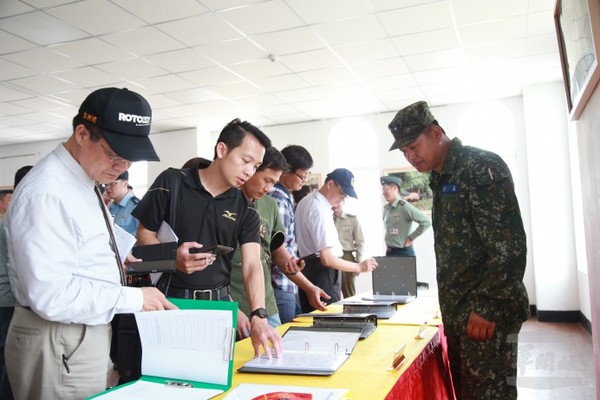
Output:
x,y
366,373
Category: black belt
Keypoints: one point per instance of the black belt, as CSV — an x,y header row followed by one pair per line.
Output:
x,y
199,294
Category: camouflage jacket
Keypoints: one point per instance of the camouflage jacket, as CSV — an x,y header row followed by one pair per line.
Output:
x,y
480,243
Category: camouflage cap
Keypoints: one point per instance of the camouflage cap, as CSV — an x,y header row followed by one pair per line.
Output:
x,y
409,122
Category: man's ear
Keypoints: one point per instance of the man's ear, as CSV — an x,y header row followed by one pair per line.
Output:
x,y
436,132
221,150
80,133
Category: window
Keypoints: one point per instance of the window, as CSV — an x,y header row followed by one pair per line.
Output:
x,y
353,145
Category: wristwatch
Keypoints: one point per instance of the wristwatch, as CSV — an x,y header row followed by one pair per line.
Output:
x,y
259,312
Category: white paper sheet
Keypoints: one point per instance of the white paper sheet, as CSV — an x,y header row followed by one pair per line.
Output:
x,y
143,390
186,344
165,234
125,241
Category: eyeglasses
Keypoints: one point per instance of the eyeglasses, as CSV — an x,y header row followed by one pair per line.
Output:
x,y
114,159
302,178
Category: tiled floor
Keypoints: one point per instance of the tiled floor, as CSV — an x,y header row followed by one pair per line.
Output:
x,y
556,361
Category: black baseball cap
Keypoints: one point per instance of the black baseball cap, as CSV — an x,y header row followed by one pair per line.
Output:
x,y
124,119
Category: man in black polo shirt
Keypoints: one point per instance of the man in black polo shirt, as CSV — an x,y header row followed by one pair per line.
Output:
x,y
210,211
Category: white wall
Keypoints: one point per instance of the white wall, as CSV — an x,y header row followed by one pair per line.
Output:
x,y
552,228
16,156
174,148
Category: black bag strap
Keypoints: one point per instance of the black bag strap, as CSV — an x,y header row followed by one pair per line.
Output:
x,y
175,192
165,280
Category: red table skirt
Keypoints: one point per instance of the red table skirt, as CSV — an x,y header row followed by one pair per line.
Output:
x,y
428,377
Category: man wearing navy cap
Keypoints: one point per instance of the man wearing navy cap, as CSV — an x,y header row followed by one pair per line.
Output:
x,y
398,217
65,275
318,241
480,249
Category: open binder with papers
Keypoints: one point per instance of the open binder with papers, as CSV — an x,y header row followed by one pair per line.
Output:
x,y
186,353
308,351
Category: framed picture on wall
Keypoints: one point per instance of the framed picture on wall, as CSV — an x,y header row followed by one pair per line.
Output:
x,y
415,186
578,32
314,181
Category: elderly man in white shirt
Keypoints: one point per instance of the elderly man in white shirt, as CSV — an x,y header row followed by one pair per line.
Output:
x,y
318,241
65,276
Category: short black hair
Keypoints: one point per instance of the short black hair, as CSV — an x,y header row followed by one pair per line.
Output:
x,y
297,157
273,159
301,193
21,172
233,135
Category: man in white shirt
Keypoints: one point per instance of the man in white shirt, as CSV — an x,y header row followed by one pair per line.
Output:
x,y
65,276
317,237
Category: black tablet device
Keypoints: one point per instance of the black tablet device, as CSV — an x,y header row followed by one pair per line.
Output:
x,y
159,257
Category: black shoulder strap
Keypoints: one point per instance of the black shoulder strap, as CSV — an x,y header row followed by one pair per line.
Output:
x,y
165,279
175,189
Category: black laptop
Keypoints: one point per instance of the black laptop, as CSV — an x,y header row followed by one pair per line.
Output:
x,y
394,279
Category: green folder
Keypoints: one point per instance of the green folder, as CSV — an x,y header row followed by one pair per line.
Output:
x,y
185,304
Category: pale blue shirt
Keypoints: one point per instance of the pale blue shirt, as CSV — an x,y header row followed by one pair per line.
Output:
x,y
6,297
61,263
121,212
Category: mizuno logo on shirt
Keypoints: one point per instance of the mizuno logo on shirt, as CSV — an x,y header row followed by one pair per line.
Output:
x,y
229,215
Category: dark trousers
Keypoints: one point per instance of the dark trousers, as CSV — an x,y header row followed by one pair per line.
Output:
x,y
6,314
328,279
348,278
400,251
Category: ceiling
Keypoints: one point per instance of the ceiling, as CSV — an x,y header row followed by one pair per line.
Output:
x,y
201,63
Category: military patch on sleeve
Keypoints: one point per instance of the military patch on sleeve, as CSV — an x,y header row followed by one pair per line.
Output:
x,y
450,188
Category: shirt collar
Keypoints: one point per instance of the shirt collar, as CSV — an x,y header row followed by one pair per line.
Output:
x,y
73,166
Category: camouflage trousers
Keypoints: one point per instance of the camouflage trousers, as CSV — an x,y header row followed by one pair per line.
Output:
x,y
484,369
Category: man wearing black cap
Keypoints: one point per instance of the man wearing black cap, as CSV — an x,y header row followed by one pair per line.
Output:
x,y
318,241
480,249
398,217
65,275
123,203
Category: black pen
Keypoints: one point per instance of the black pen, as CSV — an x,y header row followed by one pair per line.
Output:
x,y
65,359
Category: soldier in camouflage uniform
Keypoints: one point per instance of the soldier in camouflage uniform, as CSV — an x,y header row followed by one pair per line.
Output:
x,y
480,249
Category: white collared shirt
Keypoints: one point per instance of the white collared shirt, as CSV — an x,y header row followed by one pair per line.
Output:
x,y
61,264
315,228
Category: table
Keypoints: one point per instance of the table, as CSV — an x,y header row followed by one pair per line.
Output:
x,y
367,375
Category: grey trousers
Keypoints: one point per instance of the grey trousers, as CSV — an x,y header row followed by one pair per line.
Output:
x,y
52,360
